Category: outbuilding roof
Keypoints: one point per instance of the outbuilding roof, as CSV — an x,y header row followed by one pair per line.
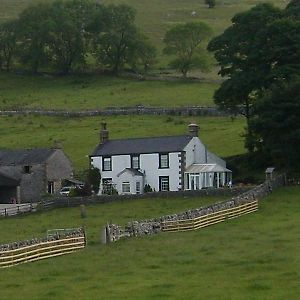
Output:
x,y
8,181
142,145
24,156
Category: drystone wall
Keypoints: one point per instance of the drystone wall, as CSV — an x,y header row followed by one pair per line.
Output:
x,y
35,241
115,111
114,232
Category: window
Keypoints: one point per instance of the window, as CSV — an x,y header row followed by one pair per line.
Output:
x,y
125,187
138,187
163,160
27,169
106,163
164,183
135,162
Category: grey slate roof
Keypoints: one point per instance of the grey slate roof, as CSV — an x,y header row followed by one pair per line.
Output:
x,y
24,156
8,181
142,145
134,172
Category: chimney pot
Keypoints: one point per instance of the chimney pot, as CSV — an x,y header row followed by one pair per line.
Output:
x,y
193,129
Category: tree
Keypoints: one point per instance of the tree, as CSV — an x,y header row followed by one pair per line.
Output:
x,y
183,41
33,36
276,124
143,54
114,43
93,179
210,3
293,9
236,51
7,43
68,37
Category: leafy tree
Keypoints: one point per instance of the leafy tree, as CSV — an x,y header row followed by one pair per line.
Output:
x,y
115,42
142,54
237,51
293,8
7,43
210,3
33,36
93,179
276,125
68,38
183,41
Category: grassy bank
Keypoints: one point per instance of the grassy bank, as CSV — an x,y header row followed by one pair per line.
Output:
x,y
98,92
79,136
252,257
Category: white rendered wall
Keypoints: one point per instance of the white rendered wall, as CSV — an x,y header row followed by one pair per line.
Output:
x,y
128,177
196,153
148,163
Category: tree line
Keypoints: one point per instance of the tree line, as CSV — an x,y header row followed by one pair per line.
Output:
x,y
69,35
259,58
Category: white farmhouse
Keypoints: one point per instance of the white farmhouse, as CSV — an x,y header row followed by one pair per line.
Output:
x,y
169,163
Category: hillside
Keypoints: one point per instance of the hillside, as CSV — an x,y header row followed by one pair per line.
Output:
x,y
252,257
79,136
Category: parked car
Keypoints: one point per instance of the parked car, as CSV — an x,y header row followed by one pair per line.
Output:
x,y
65,191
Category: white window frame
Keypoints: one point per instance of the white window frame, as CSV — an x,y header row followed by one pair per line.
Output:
x,y
126,187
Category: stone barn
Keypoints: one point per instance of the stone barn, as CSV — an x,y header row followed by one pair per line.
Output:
x,y
27,174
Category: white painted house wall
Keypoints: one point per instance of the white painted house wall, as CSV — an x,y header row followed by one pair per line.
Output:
x,y
149,165
129,177
197,153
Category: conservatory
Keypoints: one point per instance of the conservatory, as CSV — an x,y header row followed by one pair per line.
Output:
x,y
199,176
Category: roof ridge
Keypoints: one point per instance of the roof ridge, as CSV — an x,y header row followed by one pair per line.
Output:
x,y
150,137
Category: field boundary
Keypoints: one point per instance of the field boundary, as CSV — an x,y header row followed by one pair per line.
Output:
x,y
32,250
196,218
210,219
117,111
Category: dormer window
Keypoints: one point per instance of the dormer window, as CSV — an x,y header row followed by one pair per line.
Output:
x,y
27,169
164,160
106,163
135,161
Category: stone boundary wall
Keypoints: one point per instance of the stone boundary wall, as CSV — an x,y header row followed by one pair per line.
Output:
x,y
62,201
78,232
115,111
114,232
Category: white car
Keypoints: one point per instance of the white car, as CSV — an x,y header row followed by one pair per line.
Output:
x,y
65,191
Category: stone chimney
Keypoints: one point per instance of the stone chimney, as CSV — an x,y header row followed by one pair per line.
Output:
x,y
193,129
103,133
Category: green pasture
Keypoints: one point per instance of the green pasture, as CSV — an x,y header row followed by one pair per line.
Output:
x,y
251,257
79,136
98,92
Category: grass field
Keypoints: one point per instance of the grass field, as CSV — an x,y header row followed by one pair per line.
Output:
x,y
79,136
97,92
252,257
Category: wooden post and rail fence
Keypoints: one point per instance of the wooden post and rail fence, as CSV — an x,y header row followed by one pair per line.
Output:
x,y
210,219
41,250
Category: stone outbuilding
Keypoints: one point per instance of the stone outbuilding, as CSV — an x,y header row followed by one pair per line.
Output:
x,y
27,174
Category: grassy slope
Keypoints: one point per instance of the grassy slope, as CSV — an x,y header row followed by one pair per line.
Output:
x,y
79,136
92,92
253,257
